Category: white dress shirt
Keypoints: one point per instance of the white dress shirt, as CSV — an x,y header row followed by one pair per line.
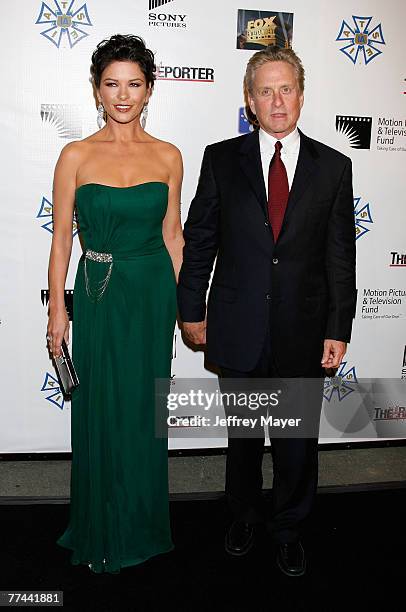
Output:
x,y
289,153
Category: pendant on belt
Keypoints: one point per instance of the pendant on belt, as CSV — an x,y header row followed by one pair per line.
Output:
x,y
102,258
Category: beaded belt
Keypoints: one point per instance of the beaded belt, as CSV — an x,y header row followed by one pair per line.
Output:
x,y
102,258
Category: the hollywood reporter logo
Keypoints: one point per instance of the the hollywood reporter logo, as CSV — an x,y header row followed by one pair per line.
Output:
x,y
403,371
185,73
397,260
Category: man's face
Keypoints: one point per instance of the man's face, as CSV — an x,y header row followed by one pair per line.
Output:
x,y
275,98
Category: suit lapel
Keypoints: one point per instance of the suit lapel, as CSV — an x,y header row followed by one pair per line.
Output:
x,y
306,165
251,165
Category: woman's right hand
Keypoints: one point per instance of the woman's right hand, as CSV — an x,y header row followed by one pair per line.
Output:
x,y
58,328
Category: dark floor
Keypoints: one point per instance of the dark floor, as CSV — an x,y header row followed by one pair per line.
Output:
x,y
355,545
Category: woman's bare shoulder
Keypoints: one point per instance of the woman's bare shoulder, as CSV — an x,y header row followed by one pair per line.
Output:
x,y
75,153
168,150
75,150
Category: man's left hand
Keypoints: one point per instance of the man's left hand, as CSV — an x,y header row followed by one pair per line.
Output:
x,y
334,351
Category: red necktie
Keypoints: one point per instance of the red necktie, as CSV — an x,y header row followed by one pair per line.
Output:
x,y
278,191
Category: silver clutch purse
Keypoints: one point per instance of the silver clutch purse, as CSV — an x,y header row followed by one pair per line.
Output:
x,y
66,372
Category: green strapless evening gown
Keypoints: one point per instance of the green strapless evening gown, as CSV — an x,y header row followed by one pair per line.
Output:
x,y
122,341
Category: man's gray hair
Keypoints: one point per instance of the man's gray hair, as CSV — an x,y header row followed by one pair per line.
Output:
x,y
272,53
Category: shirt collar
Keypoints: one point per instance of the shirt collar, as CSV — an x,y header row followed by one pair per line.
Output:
x,y
290,143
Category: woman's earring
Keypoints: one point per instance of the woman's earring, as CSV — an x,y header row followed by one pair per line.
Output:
x,y
100,116
144,116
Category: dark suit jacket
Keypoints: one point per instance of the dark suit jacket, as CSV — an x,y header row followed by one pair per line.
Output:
x,y
303,286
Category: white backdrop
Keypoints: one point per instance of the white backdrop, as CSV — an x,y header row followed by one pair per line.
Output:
x,y
47,101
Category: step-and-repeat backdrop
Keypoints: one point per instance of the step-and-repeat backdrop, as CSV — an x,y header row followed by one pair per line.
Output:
x,y
353,53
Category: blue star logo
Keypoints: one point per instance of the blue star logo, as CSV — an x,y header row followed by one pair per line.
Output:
x,y
362,216
46,212
340,385
64,20
244,126
52,387
360,39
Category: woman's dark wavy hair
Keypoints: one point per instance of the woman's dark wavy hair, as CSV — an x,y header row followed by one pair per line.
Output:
x,y
123,48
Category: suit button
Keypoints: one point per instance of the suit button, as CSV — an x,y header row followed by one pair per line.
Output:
x,y
275,260
268,296
266,224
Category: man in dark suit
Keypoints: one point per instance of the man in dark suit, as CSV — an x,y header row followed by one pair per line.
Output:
x,y
276,208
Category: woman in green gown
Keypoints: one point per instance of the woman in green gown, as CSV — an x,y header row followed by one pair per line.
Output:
x,y
126,187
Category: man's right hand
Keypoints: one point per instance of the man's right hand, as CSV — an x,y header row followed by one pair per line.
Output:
x,y
195,332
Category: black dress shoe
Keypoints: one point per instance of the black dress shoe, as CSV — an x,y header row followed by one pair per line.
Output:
x,y
240,538
291,559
